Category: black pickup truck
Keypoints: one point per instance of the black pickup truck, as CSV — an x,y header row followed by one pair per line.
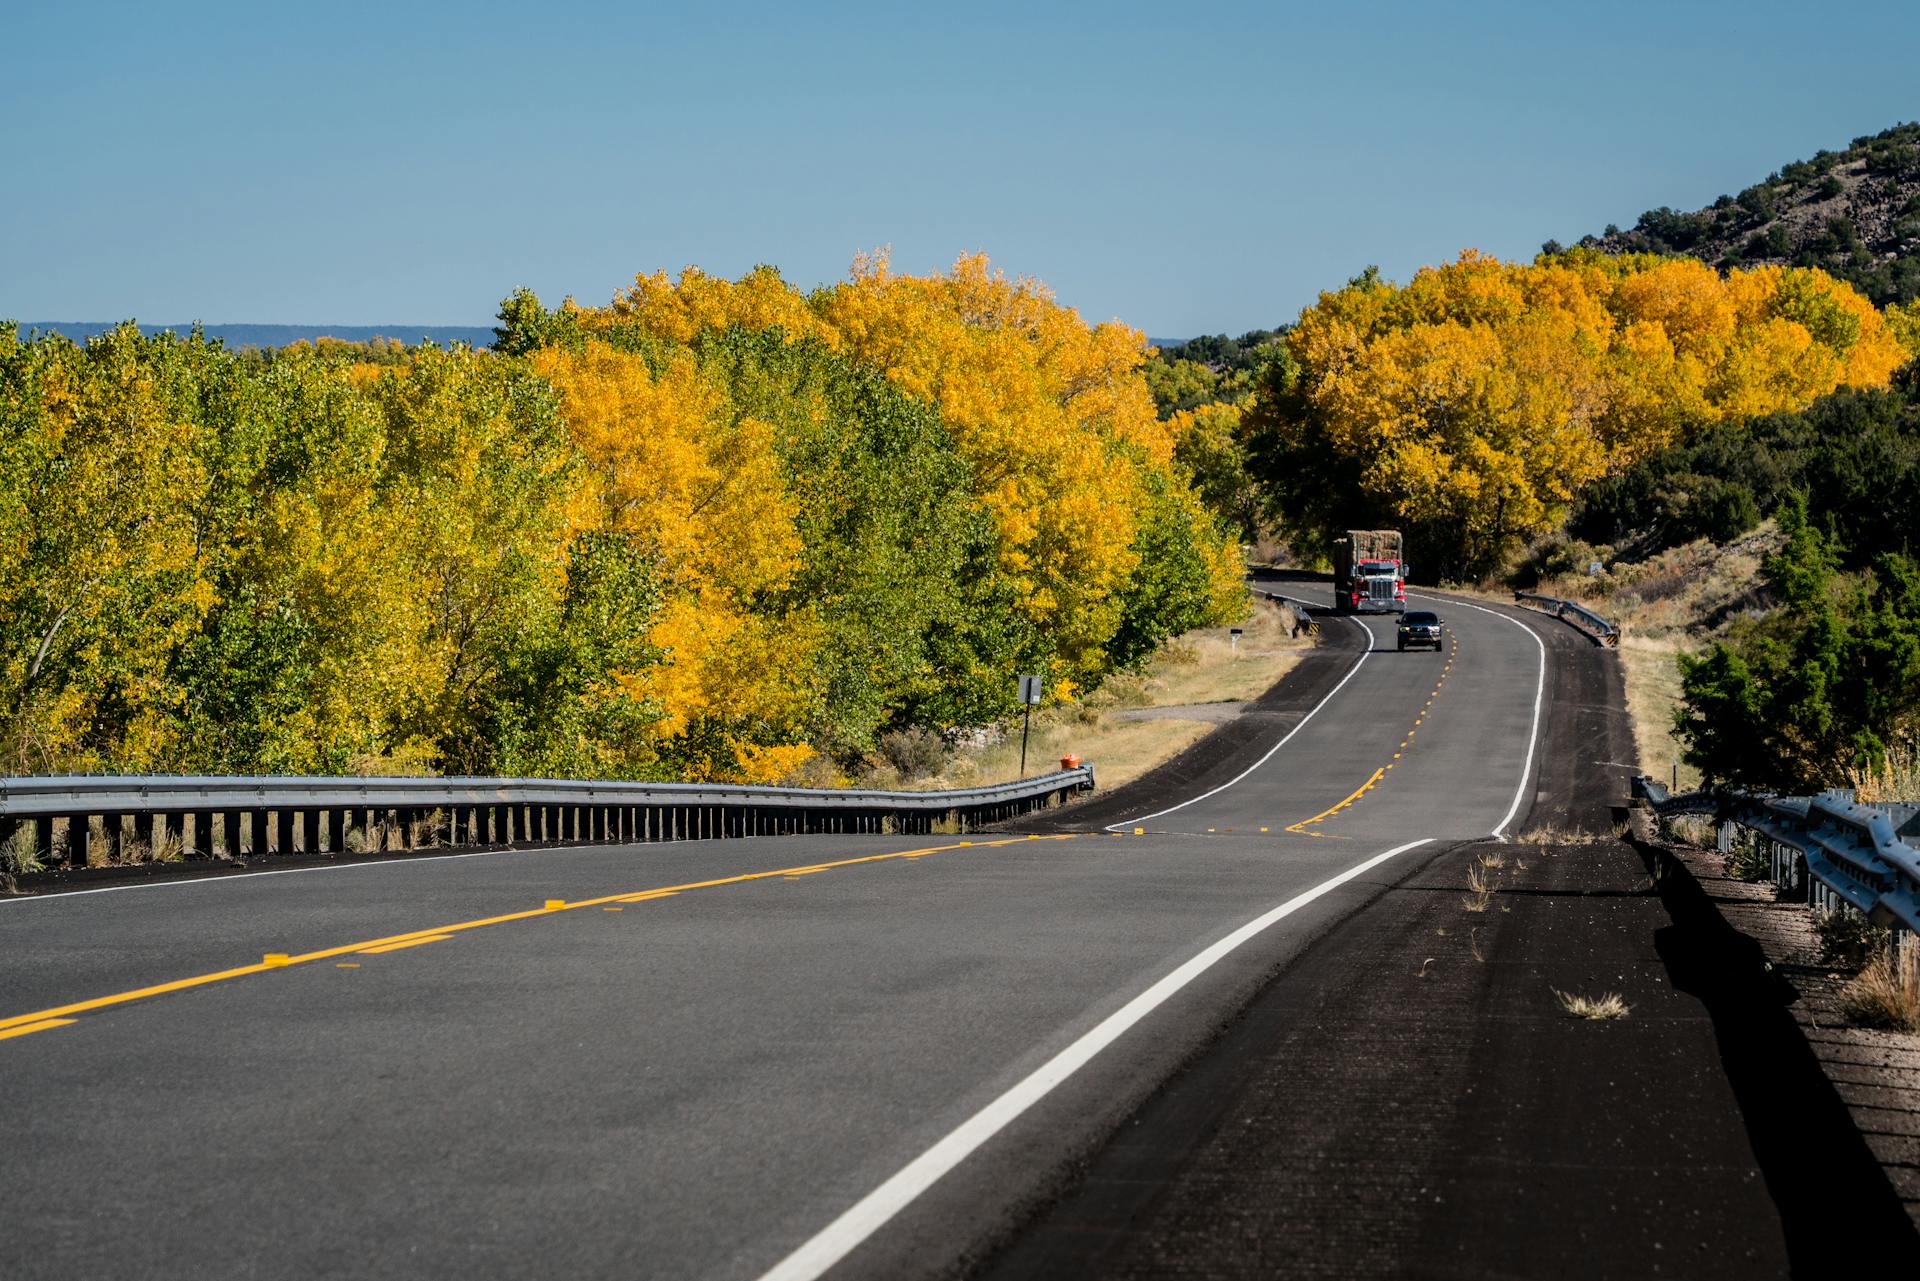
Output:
x,y
1418,629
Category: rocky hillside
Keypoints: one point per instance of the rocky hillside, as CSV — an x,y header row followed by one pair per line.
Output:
x,y
1853,213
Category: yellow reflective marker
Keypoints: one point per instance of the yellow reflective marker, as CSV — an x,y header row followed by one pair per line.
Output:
x,y
42,1026
555,904
274,960
1139,831
346,965
1263,829
613,909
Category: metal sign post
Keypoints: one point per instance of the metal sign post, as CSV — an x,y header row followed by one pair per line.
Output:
x,y
1029,695
1233,639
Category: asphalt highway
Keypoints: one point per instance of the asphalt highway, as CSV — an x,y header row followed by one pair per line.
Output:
x,y
867,1055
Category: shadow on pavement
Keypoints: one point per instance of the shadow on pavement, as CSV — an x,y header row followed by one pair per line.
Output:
x,y
1833,1197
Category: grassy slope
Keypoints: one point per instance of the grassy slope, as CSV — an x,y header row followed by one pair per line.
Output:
x,y
1679,600
1201,667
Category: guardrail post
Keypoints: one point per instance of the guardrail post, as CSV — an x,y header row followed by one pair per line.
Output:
x,y
143,833
283,831
79,838
310,830
203,833
258,847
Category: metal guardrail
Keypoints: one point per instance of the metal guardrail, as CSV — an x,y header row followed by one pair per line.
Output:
x,y
1599,629
71,817
1302,620
1829,847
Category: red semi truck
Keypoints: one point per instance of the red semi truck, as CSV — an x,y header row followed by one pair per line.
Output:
x,y
1369,573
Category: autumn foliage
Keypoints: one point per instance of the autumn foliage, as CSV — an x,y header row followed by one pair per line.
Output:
x,y
1470,405
713,529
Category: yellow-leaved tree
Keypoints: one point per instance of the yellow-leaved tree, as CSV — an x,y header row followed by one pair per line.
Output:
x,y
701,491
1052,414
1469,405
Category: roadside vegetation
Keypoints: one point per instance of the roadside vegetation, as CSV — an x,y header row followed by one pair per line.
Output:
x,y
1853,213
714,529
1134,721
1765,578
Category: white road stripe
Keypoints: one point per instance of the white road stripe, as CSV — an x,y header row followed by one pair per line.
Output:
x,y
1499,833
1135,822
835,1241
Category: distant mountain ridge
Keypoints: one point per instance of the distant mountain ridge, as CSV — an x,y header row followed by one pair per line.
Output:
x,y
1855,214
281,335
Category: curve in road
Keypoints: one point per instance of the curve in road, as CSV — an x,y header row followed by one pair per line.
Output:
x,y
714,1049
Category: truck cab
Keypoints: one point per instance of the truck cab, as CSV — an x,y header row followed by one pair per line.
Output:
x,y
1379,587
1369,574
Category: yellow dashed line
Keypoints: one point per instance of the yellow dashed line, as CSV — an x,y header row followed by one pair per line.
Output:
x,y
1357,792
1300,827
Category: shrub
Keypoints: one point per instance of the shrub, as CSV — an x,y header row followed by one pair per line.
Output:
x,y
914,753
1848,940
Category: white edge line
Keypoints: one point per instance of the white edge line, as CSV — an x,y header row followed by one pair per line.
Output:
x,y
835,1241
1147,818
1499,833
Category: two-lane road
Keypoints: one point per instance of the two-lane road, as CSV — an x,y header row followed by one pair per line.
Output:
x,y
874,1051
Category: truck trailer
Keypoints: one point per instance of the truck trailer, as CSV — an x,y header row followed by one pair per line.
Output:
x,y
1369,572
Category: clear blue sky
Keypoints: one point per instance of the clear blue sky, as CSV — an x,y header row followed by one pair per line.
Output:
x,y
1185,168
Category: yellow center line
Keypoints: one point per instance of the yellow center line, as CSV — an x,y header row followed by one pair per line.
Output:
x,y
1300,827
395,947
41,1026
21,1024
1307,822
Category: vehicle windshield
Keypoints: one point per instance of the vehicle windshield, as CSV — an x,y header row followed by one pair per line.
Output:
x,y
1379,567
1419,616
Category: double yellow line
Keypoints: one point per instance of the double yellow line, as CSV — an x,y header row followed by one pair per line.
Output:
x,y
62,1015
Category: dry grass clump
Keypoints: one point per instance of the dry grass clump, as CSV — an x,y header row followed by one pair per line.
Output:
x,y
1479,895
1697,830
1887,992
1551,833
1609,1006
1896,779
20,855
165,847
